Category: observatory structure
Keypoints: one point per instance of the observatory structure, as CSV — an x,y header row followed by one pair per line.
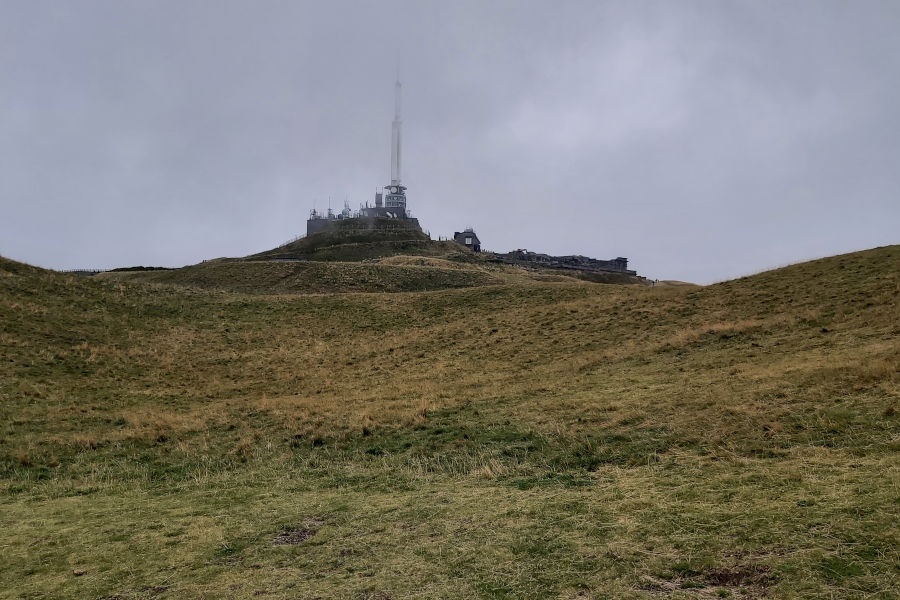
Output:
x,y
391,204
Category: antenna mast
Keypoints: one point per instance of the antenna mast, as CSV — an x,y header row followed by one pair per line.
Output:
x,y
396,136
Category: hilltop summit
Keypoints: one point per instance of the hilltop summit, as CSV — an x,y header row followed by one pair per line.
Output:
x,y
361,238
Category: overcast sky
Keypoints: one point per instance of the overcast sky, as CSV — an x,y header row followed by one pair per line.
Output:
x,y
702,140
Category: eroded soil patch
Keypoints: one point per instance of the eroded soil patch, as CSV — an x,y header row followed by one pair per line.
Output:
x,y
289,536
751,576
725,582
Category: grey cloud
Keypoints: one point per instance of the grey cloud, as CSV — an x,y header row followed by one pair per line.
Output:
x,y
703,140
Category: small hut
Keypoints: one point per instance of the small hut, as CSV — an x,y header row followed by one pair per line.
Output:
x,y
468,239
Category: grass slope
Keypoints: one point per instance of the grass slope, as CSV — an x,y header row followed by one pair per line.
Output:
x,y
525,440
315,277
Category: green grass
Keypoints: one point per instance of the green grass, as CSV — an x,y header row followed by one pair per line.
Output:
x,y
524,439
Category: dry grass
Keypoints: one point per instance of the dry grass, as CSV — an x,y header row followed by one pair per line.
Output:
x,y
525,439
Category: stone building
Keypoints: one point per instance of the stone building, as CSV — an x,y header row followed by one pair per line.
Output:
x,y
468,239
574,262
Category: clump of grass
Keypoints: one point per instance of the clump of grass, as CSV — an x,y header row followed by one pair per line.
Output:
x,y
244,447
86,442
23,458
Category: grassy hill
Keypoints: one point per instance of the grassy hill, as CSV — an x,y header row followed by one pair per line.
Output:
x,y
528,439
398,273
360,255
315,277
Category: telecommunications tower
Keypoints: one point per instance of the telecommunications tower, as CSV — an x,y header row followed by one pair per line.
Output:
x,y
396,191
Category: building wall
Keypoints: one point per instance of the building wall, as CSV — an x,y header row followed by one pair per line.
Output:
x,y
360,223
583,263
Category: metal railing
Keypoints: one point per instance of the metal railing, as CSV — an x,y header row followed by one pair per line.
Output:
x,y
292,240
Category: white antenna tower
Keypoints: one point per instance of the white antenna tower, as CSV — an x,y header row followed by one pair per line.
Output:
x,y
396,135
